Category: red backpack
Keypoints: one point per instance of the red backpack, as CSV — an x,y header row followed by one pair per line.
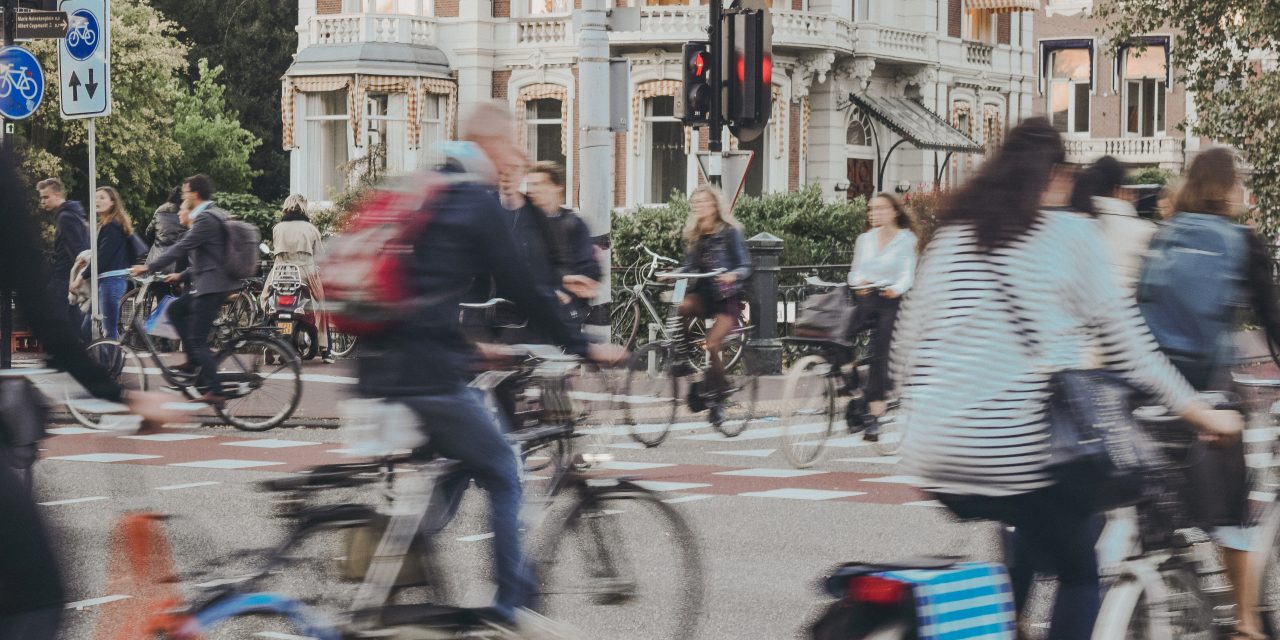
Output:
x,y
366,271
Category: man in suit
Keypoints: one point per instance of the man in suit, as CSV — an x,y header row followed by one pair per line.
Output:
x,y
194,313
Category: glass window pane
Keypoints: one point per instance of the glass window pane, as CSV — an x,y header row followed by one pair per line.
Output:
x,y
1148,108
546,109
332,103
858,134
1082,107
1132,98
662,106
1145,63
545,7
326,151
409,7
1060,104
1072,63
1160,96
669,163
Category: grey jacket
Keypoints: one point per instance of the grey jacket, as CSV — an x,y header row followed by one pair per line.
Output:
x,y
206,246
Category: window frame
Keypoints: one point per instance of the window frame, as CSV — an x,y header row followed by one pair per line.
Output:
x,y
531,125
320,191
427,148
396,114
649,121
1074,85
1163,86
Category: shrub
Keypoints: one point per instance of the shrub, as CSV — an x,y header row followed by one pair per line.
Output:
x,y
1150,175
249,208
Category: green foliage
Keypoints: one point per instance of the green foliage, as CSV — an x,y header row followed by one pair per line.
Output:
x,y
212,140
814,231
251,209
1237,96
1150,175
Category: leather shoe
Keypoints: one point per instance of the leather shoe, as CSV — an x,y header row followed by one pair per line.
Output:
x,y
215,400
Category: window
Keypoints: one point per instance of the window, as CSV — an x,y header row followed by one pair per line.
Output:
x,y
1070,73
859,133
544,130
432,111
385,131
407,7
861,10
549,7
1145,76
325,145
668,164
982,25
666,3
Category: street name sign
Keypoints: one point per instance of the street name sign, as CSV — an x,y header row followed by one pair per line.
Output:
x,y
84,60
39,25
21,83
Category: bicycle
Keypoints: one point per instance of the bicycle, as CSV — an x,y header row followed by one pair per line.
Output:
x,y
641,301
812,389
652,391
242,368
582,531
21,78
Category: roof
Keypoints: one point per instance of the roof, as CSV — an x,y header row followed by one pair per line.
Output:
x,y
373,58
920,126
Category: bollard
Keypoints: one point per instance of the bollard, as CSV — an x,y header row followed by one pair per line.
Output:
x,y
764,350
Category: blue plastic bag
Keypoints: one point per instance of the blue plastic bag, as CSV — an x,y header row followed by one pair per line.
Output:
x,y
159,324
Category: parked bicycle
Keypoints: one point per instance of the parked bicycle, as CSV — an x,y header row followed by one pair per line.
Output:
x,y
825,372
653,389
260,396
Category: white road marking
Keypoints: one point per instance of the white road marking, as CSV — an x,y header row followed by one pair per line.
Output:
x,y
769,473
269,443
225,464
189,485
654,485
911,480
689,498
803,494
925,503
476,538
105,457
73,501
281,636
875,460
167,437
72,431
623,465
753,453
93,602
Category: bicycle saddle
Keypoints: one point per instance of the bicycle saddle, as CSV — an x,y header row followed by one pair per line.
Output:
x,y
837,583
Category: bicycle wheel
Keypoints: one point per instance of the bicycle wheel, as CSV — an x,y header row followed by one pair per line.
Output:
x,y
651,395
624,321
808,410
623,564
262,615
262,379
739,405
343,344
730,350
125,367
1126,612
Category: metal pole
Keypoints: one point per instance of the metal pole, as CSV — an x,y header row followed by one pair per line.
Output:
x,y
94,311
6,296
715,124
595,144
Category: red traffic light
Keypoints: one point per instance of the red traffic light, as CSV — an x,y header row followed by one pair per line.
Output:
x,y
699,64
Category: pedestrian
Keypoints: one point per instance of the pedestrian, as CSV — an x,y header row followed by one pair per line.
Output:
x,y
571,251
1011,289
1098,192
425,363
713,240
165,229
209,283
32,596
295,241
70,237
1189,284
885,258
118,249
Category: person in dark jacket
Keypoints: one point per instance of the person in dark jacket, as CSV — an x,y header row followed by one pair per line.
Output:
x,y
165,230
193,314
425,362
31,593
70,237
713,240
570,250
115,256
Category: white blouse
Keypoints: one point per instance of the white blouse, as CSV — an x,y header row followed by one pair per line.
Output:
x,y
893,268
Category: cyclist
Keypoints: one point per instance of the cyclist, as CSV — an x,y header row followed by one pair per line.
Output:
x,y
425,361
1003,264
31,592
713,240
884,256
294,240
194,313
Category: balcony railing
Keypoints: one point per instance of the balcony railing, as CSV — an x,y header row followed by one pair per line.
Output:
x,y
541,33
357,28
1162,151
978,53
790,28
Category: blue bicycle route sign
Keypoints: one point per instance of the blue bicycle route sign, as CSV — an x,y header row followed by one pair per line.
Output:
x,y
21,83
84,59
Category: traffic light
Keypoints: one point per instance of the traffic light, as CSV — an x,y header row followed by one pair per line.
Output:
x,y
695,98
749,51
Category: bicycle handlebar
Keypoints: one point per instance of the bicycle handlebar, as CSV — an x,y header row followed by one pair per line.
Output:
x,y
682,275
487,304
819,282
1250,381
657,257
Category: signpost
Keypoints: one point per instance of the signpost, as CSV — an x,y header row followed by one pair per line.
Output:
x,y
39,25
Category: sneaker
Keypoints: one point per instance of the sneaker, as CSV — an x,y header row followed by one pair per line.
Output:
x,y
533,626
717,413
872,432
329,358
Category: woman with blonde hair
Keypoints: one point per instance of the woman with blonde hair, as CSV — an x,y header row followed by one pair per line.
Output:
x,y
713,240
118,250
295,241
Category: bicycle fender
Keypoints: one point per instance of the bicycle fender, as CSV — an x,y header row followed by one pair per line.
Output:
x,y
309,622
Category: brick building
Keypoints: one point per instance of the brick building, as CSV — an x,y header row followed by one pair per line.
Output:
x,y
852,79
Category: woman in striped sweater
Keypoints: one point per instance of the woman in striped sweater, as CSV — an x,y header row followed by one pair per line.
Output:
x,y
1010,289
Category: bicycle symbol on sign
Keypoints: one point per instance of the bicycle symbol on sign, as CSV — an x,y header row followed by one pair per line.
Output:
x,y
20,77
81,33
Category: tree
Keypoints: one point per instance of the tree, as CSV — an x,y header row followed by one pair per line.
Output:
x,y
1227,60
212,140
254,42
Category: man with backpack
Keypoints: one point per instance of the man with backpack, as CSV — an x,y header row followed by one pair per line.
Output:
x,y
215,246
418,355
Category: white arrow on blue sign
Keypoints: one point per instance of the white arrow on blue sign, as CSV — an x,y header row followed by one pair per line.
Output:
x,y
21,83
84,59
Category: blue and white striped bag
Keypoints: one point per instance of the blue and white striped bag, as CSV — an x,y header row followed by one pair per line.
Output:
x,y
966,601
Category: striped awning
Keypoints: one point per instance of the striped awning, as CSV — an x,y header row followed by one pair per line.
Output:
x,y
1002,6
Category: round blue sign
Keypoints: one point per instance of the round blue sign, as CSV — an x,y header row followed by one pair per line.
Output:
x,y
83,34
21,83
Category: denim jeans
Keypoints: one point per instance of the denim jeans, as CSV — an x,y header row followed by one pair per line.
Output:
x,y
110,291
462,428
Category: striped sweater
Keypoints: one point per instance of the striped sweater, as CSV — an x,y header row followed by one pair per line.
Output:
x,y
973,357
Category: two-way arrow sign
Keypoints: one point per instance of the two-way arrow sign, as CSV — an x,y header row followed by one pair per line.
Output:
x,y
90,86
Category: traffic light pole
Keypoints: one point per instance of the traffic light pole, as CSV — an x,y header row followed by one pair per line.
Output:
x,y
715,120
6,296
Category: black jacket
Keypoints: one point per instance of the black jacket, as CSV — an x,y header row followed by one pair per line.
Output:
x,y
70,237
724,249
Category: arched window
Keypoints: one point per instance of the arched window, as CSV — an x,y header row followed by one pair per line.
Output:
x,y
859,133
